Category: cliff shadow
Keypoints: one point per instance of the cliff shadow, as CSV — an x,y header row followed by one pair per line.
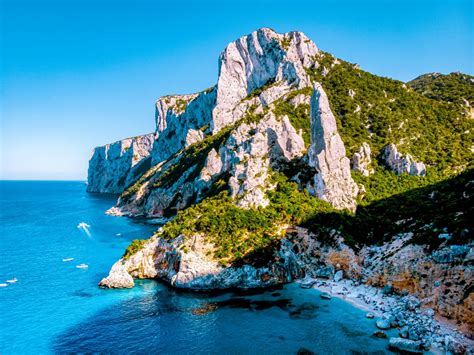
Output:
x,y
444,207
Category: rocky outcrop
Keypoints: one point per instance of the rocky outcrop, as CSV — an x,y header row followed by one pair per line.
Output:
x,y
442,278
361,161
244,158
264,60
188,263
405,345
327,154
251,150
181,120
261,58
115,166
402,164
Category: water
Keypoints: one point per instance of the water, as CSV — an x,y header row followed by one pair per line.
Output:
x,y
56,307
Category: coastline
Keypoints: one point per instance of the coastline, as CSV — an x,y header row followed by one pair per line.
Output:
x,y
446,338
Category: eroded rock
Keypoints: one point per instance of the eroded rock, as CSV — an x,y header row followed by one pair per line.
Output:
x,y
400,163
327,154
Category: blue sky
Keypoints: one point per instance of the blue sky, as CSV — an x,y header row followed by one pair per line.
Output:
x,y
77,74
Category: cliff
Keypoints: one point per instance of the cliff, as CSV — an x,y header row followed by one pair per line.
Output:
x,y
114,166
291,137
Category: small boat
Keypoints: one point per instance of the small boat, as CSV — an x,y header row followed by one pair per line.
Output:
x,y
82,266
83,225
12,281
118,234
68,259
3,285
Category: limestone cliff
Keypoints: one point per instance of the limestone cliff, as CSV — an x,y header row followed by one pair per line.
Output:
x,y
281,107
327,154
113,167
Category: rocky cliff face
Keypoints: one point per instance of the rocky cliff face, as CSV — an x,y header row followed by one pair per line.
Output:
x,y
115,166
402,164
263,58
278,108
188,263
327,154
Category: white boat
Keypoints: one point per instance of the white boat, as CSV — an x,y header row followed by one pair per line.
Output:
x,y
3,285
12,281
68,259
82,266
85,227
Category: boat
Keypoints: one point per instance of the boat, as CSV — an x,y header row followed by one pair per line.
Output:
x,y
12,280
68,259
3,285
82,266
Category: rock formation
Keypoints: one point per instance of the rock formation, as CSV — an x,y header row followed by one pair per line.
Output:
x,y
361,161
250,128
264,57
401,164
188,263
113,167
327,154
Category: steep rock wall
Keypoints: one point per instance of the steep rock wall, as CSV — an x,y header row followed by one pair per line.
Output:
x,y
113,167
327,154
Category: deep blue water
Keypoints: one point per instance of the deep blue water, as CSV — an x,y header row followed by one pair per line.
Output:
x,y
56,307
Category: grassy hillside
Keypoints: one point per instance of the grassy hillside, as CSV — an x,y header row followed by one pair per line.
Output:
x,y
454,87
384,110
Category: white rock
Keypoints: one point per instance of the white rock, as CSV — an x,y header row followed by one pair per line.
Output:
x,y
402,163
361,161
252,61
327,154
115,166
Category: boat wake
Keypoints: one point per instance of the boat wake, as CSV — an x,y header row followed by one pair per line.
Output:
x,y
85,227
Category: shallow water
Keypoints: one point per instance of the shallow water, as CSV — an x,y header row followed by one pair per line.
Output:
x,y
56,307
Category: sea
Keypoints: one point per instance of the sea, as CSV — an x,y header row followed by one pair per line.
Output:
x,y
49,228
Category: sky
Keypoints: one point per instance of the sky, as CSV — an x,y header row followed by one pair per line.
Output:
x,y
78,74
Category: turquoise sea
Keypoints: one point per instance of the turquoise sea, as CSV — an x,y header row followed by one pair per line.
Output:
x,y
55,307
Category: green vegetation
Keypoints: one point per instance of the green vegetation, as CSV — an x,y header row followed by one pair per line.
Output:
x,y
299,116
180,105
285,43
454,87
260,89
192,157
444,207
132,190
434,132
237,232
428,121
133,248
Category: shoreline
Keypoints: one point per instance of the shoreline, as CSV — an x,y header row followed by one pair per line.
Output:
x,y
403,313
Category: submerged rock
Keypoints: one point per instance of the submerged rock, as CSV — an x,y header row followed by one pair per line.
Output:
x,y
326,296
405,345
379,334
383,324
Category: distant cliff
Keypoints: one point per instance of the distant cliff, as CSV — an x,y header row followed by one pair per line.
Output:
x,y
115,166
